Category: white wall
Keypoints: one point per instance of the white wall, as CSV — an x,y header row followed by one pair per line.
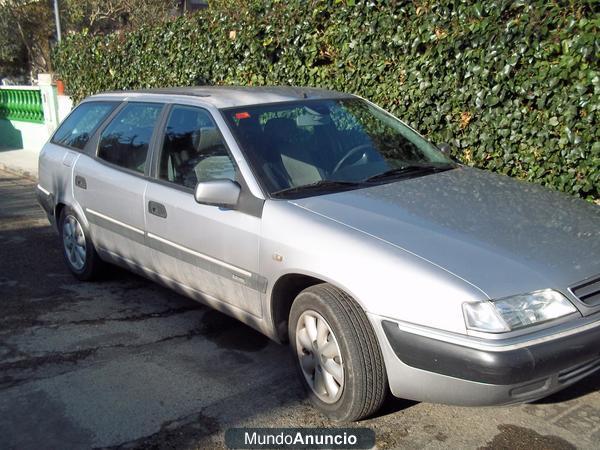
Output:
x,y
33,135
65,105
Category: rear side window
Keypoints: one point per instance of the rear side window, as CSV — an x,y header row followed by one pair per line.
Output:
x,y
126,139
77,129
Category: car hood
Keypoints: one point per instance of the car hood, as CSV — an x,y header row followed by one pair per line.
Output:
x,y
503,235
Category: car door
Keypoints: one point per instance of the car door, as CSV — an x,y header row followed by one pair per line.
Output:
x,y
206,248
110,185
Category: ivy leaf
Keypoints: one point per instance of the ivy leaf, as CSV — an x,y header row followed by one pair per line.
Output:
x,y
525,70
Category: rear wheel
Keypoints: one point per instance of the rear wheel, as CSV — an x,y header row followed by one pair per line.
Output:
x,y
78,250
337,354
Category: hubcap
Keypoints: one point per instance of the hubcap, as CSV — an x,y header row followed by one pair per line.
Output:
x,y
320,357
74,242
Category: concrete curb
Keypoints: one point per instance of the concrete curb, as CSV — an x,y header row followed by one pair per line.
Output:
x,y
18,171
20,161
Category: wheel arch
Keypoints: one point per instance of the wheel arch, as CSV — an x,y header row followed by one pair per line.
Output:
x,y
284,292
58,210
62,204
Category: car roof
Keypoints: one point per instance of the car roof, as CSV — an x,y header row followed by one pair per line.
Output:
x,y
228,96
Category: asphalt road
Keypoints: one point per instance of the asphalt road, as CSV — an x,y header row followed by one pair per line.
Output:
x,y
125,363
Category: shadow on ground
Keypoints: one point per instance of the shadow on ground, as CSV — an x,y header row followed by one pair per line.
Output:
x,y
10,137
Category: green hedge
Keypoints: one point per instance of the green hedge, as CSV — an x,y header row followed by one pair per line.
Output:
x,y
513,85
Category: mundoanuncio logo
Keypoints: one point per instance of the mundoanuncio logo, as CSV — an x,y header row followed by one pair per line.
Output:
x,y
300,438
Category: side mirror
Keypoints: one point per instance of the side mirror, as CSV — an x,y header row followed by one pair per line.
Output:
x,y
217,193
444,148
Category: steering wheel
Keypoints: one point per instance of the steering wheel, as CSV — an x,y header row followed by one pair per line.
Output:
x,y
344,161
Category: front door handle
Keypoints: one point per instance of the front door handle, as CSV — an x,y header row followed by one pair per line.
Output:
x,y
157,209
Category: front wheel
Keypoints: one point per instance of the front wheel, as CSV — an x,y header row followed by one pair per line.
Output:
x,y
78,250
337,354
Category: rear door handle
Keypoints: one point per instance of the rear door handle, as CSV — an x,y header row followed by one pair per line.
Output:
x,y
157,209
80,182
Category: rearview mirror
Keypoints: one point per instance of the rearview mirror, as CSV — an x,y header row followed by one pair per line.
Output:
x,y
217,193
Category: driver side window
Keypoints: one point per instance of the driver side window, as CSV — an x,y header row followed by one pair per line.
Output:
x,y
193,149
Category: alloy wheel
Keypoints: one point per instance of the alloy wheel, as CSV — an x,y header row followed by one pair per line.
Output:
x,y
319,356
74,242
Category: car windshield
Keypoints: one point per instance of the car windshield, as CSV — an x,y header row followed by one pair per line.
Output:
x,y
316,146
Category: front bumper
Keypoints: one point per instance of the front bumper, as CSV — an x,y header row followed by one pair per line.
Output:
x,y
428,368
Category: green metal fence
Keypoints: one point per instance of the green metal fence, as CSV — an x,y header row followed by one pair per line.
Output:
x,y
24,105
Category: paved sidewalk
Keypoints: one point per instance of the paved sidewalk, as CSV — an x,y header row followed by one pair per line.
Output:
x,y
21,161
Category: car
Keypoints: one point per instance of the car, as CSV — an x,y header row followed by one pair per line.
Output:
x,y
321,220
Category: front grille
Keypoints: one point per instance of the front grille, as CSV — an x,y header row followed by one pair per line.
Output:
x,y
579,371
588,292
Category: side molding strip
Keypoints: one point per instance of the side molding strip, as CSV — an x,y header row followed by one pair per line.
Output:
x,y
208,263
251,280
200,255
115,221
116,226
43,190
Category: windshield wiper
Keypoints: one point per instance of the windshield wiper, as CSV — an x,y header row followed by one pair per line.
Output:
x,y
321,185
412,169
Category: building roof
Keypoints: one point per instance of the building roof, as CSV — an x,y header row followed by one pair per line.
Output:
x,y
232,96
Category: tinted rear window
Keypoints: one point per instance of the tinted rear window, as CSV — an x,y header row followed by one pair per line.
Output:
x,y
77,129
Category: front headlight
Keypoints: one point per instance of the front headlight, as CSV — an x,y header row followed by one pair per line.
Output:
x,y
519,311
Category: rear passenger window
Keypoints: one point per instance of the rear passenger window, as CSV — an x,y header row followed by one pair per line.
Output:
x,y
126,139
193,149
77,129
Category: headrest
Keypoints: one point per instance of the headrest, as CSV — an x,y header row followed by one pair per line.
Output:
x,y
209,137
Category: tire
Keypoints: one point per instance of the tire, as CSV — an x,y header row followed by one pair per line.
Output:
x,y
364,386
85,265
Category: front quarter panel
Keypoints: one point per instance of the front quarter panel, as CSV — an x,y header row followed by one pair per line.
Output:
x,y
385,280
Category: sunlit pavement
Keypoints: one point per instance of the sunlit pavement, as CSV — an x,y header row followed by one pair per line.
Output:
x,y
126,363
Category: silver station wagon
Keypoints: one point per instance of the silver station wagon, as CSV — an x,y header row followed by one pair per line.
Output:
x,y
323,221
